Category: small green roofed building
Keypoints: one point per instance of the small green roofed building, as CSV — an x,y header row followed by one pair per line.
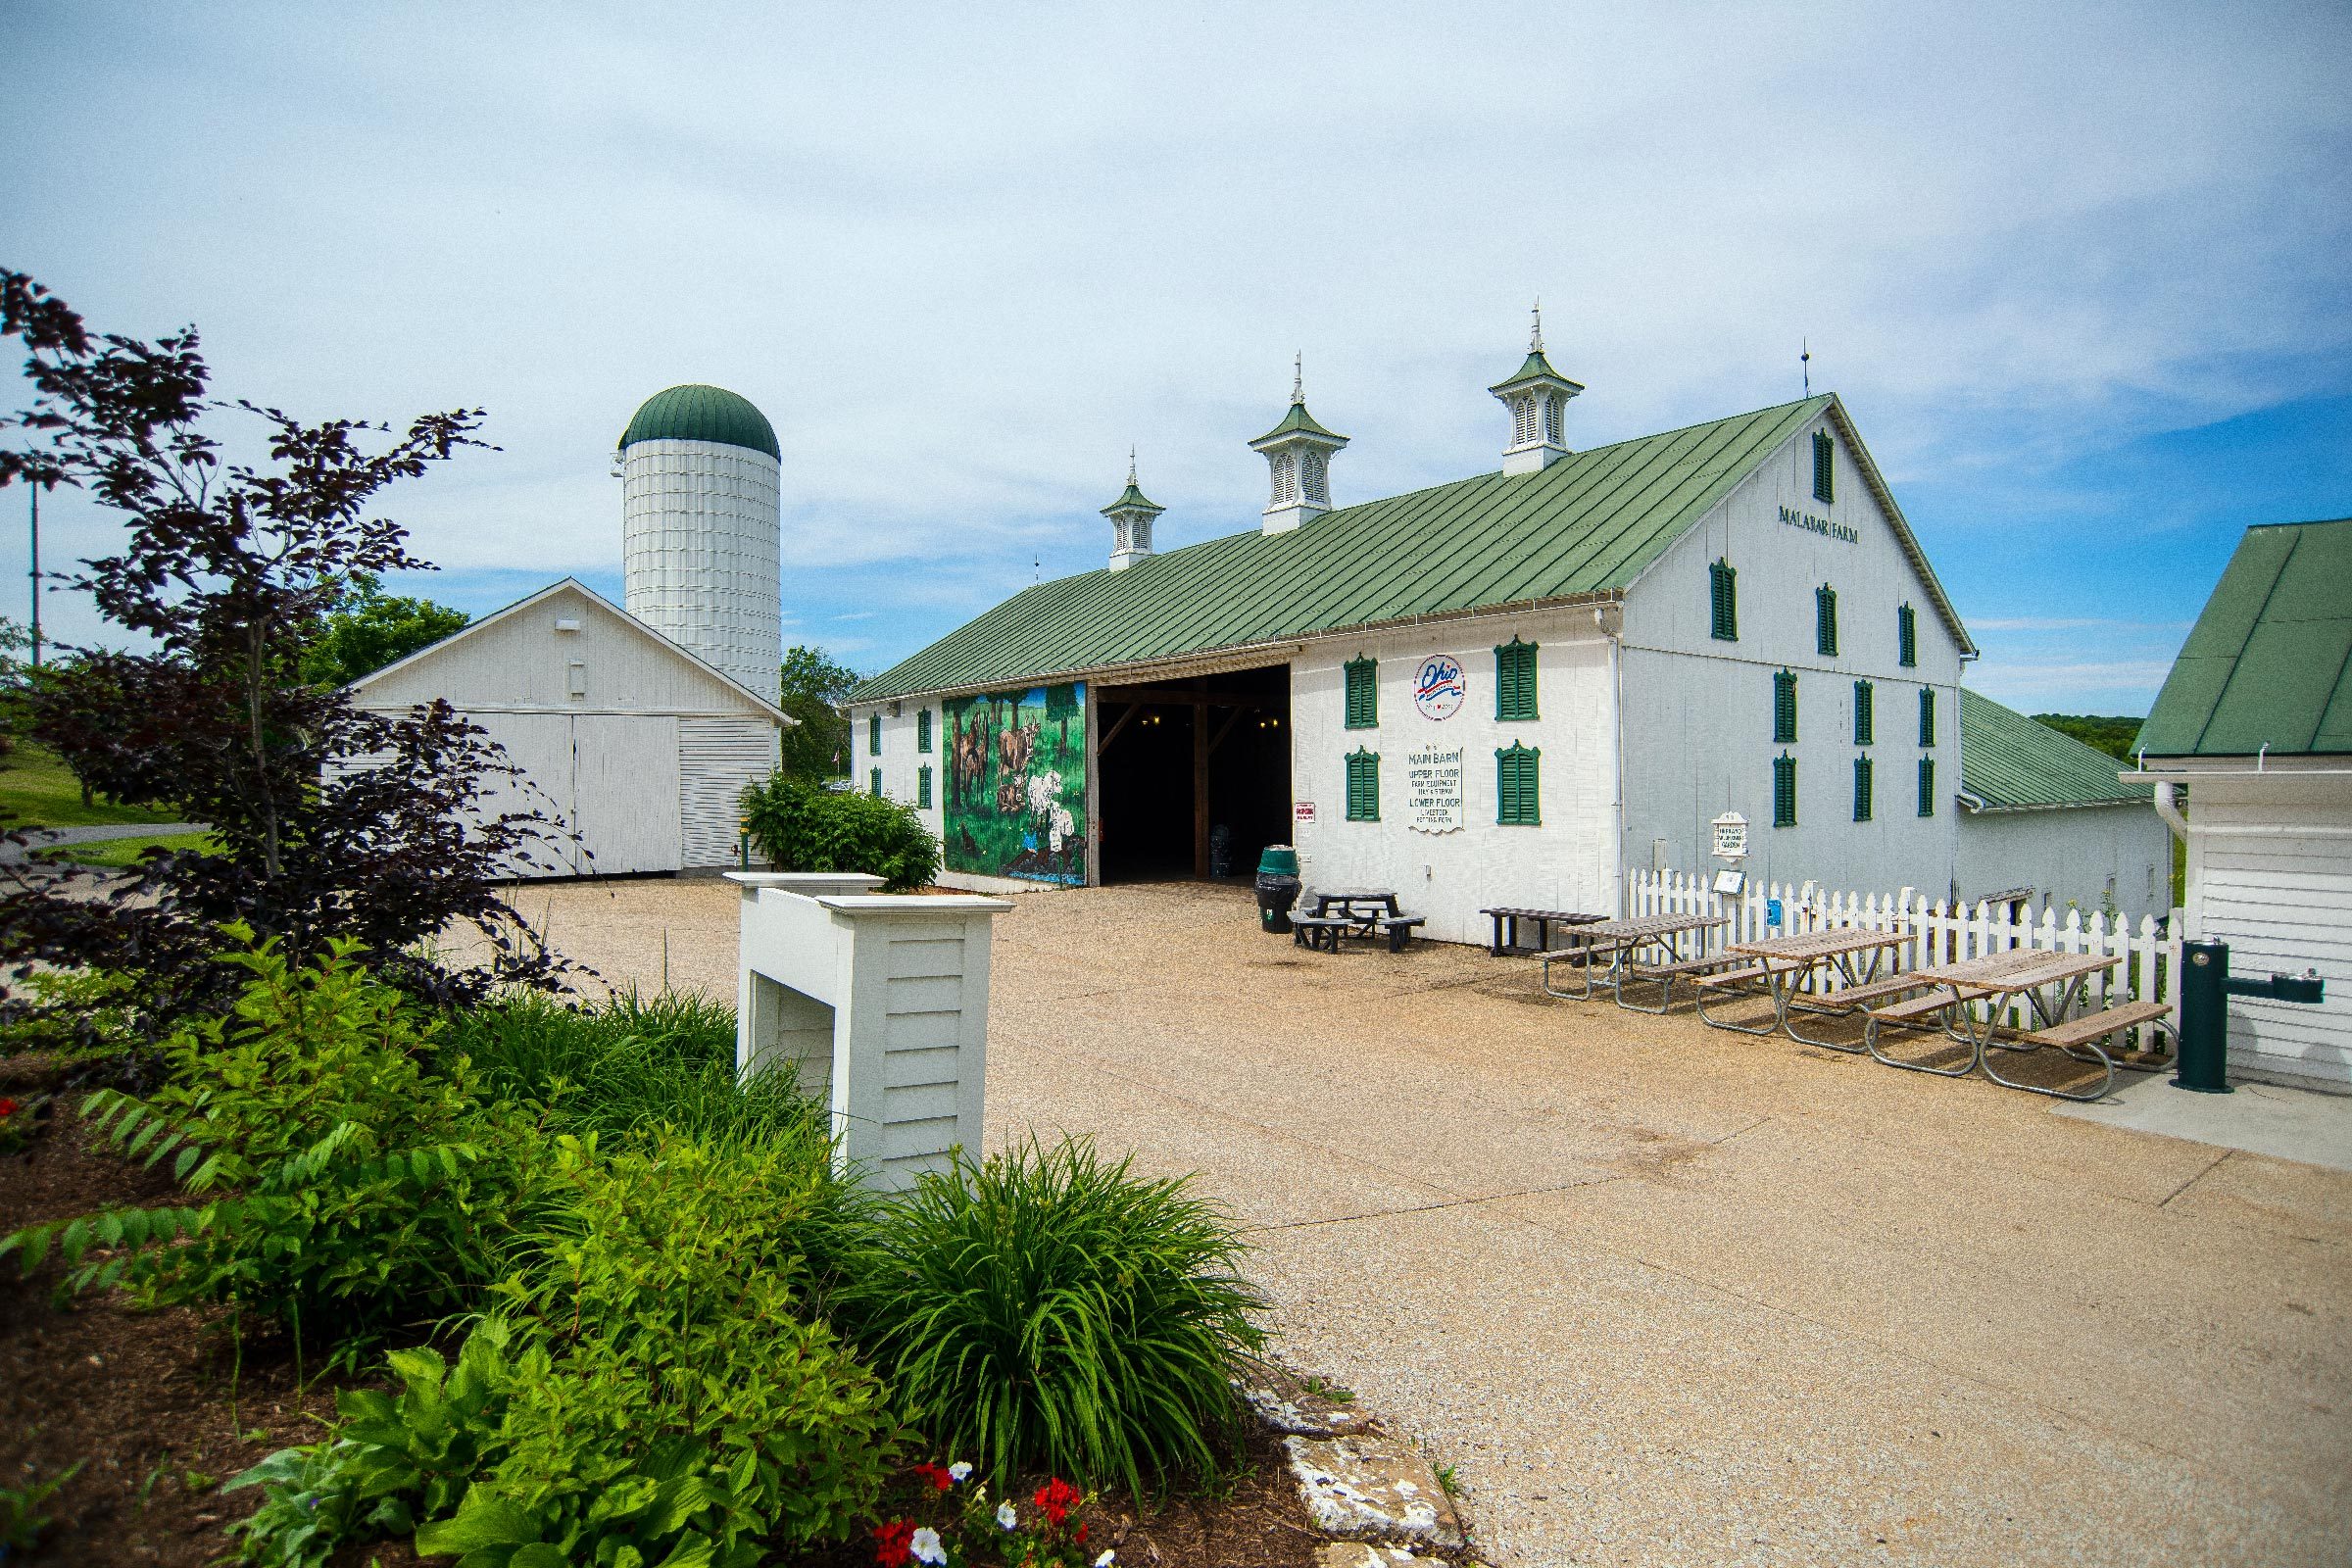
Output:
x,y
2249,750
2041,810
1715,648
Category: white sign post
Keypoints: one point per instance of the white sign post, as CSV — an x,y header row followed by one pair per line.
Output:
x,y
1433,789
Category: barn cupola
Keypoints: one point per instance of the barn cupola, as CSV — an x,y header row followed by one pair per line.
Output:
x,y
1298,454
1130,522
1537,397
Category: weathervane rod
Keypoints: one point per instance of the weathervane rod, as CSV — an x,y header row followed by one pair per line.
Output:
x,y
1804,363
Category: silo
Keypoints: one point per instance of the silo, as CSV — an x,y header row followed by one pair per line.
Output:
x,y
700,532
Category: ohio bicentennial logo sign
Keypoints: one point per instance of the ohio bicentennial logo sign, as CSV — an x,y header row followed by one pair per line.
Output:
x,y
1437,687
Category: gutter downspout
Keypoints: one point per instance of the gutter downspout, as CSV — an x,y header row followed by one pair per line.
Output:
x,y
2168,806
1610,618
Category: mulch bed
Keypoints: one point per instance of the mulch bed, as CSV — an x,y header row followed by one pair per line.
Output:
x,y
158,1409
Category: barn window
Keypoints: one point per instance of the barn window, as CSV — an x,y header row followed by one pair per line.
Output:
x,y
1363,786
1363,694
1906,637
1862,789
922,784
1784,708
1927,717
923,731
1515,680
1926,786
873,733
1518,796
1825,466
1825,621
1784,791
1723,587
1865,712
873,783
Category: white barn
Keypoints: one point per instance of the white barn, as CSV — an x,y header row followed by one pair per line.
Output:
x,y
1509,690
2254,724
631,741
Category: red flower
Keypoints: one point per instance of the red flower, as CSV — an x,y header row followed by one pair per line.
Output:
x,y
1080,1537
937,1475
7,1107
894,1543
1055,1498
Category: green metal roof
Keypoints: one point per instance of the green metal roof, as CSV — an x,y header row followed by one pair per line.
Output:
x,y
2012,763
696,413
1535,368
1133,500
1296,422
1589,523
2268,664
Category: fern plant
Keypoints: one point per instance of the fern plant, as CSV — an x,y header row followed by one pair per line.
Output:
x,y
340,1184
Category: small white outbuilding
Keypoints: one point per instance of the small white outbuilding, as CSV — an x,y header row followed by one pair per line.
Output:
x,y
634,742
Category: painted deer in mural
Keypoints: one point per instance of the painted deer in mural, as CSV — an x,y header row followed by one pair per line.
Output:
x,y
1015,747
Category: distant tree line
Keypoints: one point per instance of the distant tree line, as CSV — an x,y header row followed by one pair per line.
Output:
x,y
2112,733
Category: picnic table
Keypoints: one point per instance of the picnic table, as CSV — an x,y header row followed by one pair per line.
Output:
x,y
1544,920
1623,941
2051,985
1354,911
1784,963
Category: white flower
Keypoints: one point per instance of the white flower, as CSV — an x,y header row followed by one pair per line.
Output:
x,y
1006,1517
960,1470
1107,1559
926,1547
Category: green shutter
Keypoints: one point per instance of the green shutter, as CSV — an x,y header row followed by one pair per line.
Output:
x,y
1363,786
873,734
1865,712
922,786
1363,694
873,783
922,732
1825,621
1723,584
1784,791
1515,680
1926,786
1784,709
1825,466
1927,718
1518,789
1862,789
1906,637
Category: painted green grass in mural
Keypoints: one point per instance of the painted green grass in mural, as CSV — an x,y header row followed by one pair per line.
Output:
x,y
1016,784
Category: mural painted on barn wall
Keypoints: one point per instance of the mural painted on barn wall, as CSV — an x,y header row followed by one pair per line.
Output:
x,y
1016,784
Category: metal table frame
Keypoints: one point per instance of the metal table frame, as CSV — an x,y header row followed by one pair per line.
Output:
x,y
1788,959
1991,982
1621,939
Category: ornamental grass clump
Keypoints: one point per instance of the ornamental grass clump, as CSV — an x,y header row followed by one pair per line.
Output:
x,y
1052,1312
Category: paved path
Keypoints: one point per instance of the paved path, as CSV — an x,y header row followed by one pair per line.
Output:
x,y
1670,1296
48,838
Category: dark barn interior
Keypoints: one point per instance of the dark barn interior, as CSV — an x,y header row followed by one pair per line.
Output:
x,y
1193,775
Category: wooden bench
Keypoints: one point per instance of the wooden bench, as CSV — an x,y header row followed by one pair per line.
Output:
x,y
1319,931
1545,919
1399,929
1665,974
1934,1002
1733,977
1870,991
2097,1025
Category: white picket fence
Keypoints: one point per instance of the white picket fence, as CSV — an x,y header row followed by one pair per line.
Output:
x,y
1939,934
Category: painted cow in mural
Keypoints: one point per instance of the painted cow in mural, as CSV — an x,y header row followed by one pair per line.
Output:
x,y
1015,747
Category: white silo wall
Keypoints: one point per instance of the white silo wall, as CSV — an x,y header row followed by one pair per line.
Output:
x,y
699,542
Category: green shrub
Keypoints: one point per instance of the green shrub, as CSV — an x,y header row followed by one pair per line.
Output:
x,y
1050,1311
346,1189
802,826
650,1393
631,1062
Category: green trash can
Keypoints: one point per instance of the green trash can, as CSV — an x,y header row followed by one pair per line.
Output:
x,y
1277,888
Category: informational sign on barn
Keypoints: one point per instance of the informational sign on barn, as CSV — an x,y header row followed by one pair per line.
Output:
x,y
1439,687
1730,836
1302,812
1433,789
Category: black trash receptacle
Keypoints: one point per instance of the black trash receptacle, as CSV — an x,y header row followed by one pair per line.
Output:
x,y
1277,888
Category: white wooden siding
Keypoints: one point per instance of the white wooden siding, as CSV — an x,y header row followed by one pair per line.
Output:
x,y
625,791
717,759
2270,874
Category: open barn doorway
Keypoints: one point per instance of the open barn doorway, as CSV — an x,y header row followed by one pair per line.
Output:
x,y
1194,776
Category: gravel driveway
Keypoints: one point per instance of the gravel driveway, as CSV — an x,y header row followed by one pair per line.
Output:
x,y
1666,1294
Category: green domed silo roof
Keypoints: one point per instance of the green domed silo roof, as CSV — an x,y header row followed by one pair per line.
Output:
x,y
696,413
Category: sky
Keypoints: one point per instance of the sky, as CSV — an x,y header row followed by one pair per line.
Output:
x,y
2082,273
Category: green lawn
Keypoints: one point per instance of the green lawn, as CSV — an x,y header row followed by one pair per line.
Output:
x,y
37,791
120,852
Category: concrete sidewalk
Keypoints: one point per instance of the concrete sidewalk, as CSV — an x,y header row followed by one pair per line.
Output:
x,y
1667,1295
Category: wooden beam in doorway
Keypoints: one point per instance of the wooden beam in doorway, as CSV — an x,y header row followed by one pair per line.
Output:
x,y
1183,697
1226,728
1201,750
1112,734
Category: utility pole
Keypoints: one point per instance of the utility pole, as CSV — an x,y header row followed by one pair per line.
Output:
x,y
34,491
